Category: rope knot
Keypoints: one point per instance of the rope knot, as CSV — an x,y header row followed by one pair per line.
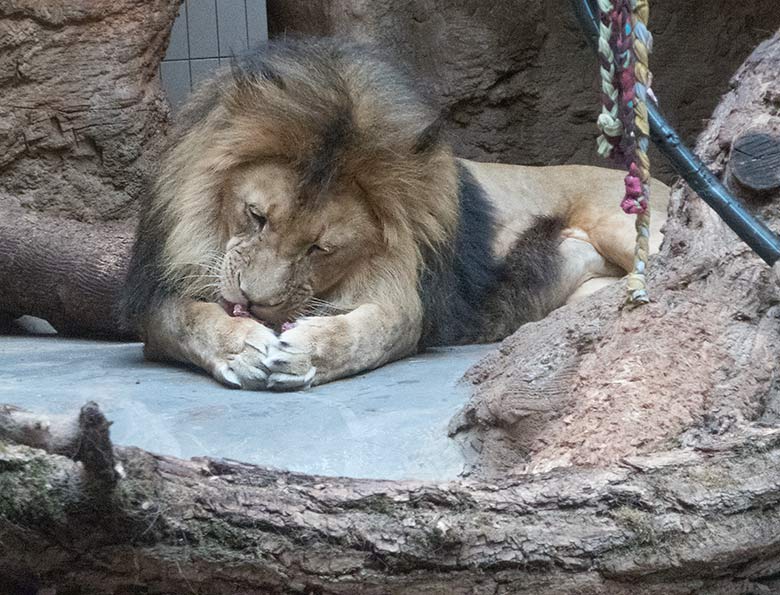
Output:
x,y
634,202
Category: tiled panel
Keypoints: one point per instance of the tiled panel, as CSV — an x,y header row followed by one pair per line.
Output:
x,y
176,81
231,16
178,48
202,68
256,21
202,22
206,33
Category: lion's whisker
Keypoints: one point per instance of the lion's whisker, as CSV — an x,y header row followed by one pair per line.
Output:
x,y
202,276
202,263
330,305
206,286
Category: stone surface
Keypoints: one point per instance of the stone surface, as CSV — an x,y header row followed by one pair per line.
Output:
x,y
515,80
390,423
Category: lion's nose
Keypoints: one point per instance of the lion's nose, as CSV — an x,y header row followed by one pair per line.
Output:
x,y
241,289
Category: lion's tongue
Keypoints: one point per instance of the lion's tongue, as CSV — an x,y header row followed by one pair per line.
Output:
x,y
241,311
236,310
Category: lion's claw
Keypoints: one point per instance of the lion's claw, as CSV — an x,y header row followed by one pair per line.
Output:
x,y
289,367
225,375
245,369
260,346
264,361
280,381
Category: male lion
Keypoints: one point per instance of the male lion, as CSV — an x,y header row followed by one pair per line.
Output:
x,y
309,222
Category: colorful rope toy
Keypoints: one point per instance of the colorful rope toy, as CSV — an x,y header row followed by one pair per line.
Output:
x,y
625,44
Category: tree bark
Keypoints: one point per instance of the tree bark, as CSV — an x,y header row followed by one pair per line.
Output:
x,y
80,104
694,520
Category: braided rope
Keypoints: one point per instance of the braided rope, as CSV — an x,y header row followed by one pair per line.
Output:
x,y
609,120
643,45
625,44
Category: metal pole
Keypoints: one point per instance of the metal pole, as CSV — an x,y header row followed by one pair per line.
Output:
x,y
752,231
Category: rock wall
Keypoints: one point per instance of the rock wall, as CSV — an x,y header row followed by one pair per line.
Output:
x,y
515,78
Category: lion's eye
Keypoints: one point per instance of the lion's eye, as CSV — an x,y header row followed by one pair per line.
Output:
x,y
316,248
259,219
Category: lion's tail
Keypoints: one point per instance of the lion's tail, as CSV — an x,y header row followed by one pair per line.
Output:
x,y
530,280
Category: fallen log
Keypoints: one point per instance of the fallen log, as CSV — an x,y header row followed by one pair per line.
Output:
x,y
693,520
67,272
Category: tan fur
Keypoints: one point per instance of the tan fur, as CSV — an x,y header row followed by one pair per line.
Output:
x,y
586,196
243,225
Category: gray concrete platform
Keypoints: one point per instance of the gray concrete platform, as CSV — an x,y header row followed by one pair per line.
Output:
x,y
390,423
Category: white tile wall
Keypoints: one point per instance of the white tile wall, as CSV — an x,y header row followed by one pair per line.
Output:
x,y
204,35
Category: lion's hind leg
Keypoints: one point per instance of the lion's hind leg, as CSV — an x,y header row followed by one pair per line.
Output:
x,y
584,268
591,286
598,220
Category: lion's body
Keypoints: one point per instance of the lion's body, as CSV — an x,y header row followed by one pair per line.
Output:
x,y
311,186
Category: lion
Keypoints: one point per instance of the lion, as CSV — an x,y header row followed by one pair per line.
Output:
x,y
309,221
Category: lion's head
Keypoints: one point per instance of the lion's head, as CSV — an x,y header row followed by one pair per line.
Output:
x,y
296,178
283,253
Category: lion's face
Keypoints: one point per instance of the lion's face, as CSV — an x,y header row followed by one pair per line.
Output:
x,y
287,252
314,174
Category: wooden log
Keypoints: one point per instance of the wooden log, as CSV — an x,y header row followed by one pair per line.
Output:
x,y
67,272
754,168
692,520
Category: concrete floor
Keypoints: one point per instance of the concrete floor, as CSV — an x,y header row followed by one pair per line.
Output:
x,y
390,423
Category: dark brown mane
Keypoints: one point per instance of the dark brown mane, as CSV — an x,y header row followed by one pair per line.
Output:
x,y
332,108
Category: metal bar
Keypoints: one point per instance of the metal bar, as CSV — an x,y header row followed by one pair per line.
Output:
x,y
701,180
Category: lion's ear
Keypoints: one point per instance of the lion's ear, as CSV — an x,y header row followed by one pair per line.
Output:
x,y
430,136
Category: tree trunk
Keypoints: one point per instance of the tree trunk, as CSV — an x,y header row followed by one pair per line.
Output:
x,y
82,120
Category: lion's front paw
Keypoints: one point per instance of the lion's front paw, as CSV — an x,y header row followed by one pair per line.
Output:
x,y
241,364
289,363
